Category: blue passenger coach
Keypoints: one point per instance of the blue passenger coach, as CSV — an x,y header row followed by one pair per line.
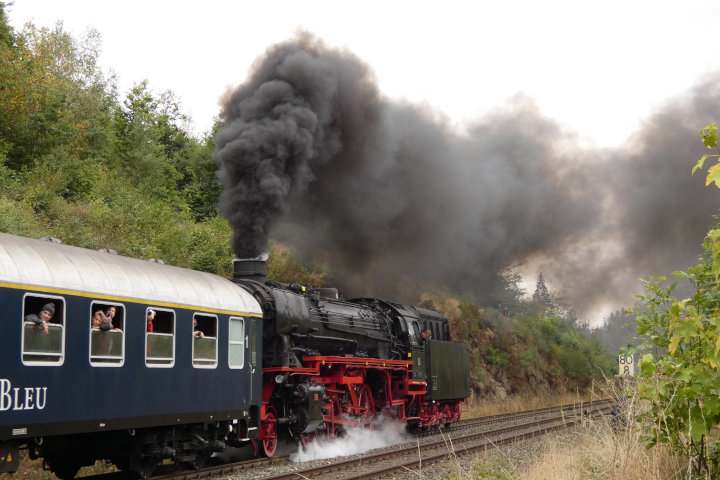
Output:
x,y
132,391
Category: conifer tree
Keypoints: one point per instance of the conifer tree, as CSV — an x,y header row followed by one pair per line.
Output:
x,y
542,295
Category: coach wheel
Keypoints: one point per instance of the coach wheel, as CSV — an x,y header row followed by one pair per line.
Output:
x,y
142,465
146,466
201,457
367,407
64,470
269,433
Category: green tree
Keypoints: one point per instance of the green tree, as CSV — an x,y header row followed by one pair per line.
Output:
x,y
81,164
6,31
679,373
52,95
141,145
541,295
155,150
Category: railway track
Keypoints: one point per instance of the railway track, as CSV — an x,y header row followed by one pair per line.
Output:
x,y
455,443
463,438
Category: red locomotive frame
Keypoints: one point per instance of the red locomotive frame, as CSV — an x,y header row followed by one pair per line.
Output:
x,y
349,400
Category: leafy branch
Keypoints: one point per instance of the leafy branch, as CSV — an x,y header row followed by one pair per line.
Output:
x,y
680,358
710,139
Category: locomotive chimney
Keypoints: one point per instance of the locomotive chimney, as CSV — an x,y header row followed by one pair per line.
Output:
x,y
250,268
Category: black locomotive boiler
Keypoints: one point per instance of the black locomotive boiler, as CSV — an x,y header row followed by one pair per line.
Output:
x,y
188,363
329,363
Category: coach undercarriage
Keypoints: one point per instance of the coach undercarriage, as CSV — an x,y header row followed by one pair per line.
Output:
x,y
138,451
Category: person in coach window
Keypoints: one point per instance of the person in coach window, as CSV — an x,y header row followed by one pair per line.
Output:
x,y
43,317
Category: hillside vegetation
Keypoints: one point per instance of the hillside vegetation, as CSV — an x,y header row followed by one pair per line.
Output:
x,y
96,167
527,347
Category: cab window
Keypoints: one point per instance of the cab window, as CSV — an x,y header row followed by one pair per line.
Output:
x,y
107,334
414,331
204,340
160,338
43,333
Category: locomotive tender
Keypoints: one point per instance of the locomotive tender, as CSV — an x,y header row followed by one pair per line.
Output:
x,y
274,361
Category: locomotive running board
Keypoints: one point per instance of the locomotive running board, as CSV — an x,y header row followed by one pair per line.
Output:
x,y
315,363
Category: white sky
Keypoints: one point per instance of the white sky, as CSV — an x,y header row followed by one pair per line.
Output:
x,y
595,67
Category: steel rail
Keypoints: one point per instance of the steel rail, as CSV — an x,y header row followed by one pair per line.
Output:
x,y
560,414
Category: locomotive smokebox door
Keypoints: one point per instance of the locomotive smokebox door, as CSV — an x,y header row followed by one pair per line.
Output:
x,y
8,457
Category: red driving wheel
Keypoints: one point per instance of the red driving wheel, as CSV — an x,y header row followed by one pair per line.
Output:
x,y
269,433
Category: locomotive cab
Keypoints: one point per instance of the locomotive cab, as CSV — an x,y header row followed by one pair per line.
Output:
x,y
331,363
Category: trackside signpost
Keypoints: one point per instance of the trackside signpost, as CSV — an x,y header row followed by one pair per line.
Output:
x,y
626,366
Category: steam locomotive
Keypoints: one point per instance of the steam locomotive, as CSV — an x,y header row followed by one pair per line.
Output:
x,y
194,363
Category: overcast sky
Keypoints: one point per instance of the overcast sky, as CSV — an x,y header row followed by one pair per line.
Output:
x,y
596,67
601,70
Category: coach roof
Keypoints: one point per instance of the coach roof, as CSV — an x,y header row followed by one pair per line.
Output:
x,y
48,265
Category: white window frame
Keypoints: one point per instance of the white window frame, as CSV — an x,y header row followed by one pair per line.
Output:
x,y
243,341
124,327
61,325
205,365
171,363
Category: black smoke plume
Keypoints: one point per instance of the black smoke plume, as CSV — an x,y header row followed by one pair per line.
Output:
x,y
311,153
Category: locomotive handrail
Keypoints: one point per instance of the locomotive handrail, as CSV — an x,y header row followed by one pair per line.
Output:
x,y
317,362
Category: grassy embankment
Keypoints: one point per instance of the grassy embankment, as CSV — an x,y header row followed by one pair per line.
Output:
x,y
607,449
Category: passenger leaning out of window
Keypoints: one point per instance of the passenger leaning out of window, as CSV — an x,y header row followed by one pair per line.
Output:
x,y
101,322
149,320
110,316
98,319
42,318
196,331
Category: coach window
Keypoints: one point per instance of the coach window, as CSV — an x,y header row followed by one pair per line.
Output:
x,y
43,333
236,343
160,342
107,334
204,340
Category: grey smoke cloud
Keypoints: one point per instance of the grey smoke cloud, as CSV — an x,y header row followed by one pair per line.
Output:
x,y
313,154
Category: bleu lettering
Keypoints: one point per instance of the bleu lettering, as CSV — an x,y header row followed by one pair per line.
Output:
x,y
21,398
29,398
40,405
15,403
5,400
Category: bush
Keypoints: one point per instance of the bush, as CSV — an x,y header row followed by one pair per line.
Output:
x,y
529,356
496,357
283,267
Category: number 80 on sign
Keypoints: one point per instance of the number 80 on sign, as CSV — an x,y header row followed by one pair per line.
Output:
x,y
626,365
